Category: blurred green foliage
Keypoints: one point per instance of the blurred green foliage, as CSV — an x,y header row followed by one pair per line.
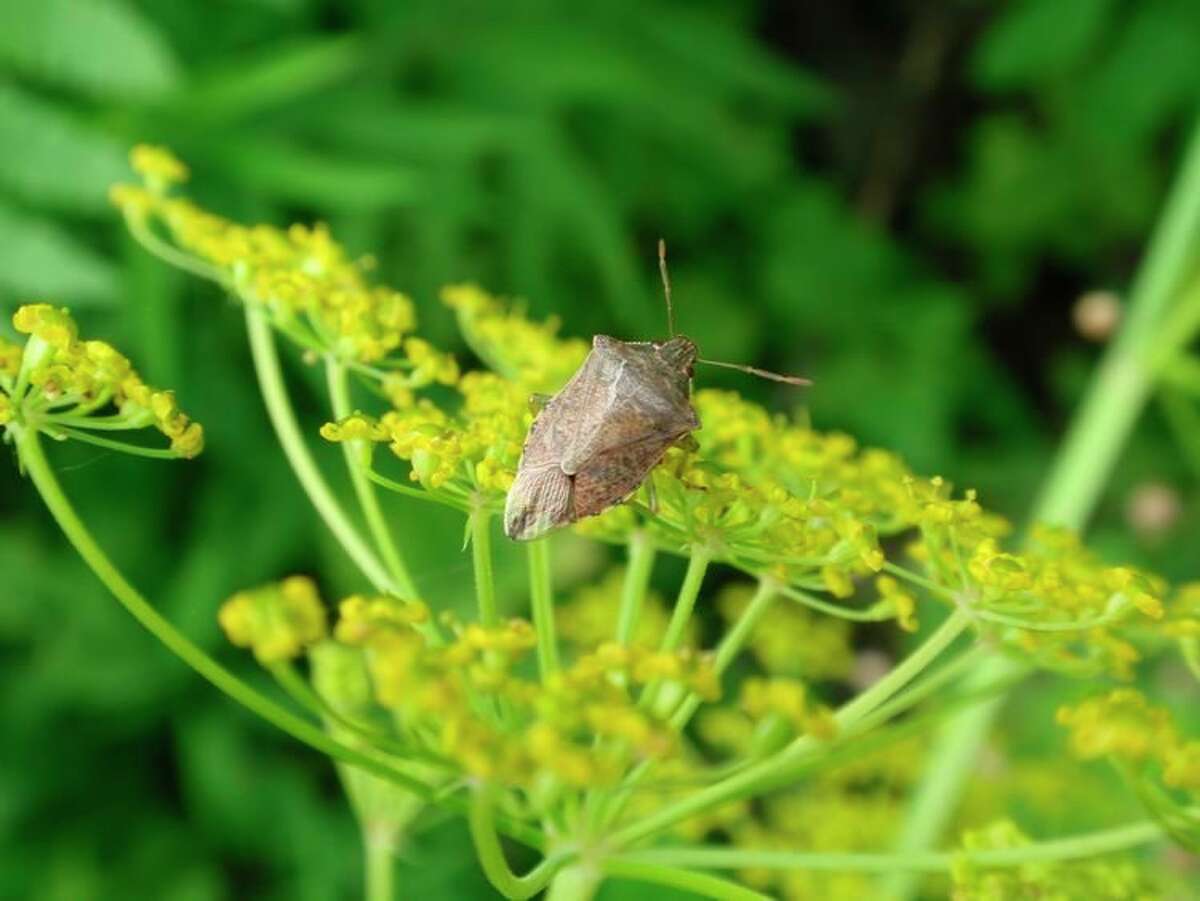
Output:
x,y
901,200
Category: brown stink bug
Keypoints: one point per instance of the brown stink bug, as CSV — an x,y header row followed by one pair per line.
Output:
x,y
593,443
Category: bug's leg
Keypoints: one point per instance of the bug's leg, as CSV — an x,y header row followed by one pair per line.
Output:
x,y
537,401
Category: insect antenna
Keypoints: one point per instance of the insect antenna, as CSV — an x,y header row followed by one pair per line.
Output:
x,y
752,370
761,373
666,280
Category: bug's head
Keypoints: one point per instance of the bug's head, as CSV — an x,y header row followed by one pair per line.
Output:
x,y
678,353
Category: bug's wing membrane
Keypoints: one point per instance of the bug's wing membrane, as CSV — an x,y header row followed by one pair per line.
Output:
x,y
630,414
613,475
577,410
539,500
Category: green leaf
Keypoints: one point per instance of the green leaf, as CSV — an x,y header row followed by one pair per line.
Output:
x,y
38,259
49,158
248,85
1036,39
298,175
102,48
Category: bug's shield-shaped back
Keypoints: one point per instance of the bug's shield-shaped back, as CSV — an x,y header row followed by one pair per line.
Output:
x,y
593,443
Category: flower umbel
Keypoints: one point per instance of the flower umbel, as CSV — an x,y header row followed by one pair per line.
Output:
x,y
585,740
66,387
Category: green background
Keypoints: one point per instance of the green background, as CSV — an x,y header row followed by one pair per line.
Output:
x,y
902,200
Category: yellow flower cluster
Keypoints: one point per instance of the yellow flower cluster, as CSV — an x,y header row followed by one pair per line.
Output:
x,y
312,290
512,345
775,498
276,621
1125,726
1057,591
468,457
467,699
743,495
58,383
1087,880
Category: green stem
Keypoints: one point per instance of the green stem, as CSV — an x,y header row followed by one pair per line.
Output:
x,y
283,418
574,883
481,820
696,884
421,494
541,600
379,867
771,771
735,639
815,603
1076,480
686,601
727,650
1119,390
637,581
928,685
731,645
124,447
481,556
1077,847
355,452
34,461
300,691
169,253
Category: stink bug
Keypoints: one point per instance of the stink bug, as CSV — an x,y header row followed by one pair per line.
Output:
x,y
593,443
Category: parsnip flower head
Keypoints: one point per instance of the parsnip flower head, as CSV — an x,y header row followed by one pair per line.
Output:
x,y
468,700
301,277
66,387
467,456
512,345
775,499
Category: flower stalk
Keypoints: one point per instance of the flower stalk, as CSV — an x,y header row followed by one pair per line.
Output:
x,y
1082,466
291,439
541,603
357,454
38,468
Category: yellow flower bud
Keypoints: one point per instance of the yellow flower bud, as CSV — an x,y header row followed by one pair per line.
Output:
x,y
276,621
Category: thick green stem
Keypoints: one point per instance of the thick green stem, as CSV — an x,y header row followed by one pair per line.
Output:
x,y
541,600
379,867
771,772
574,883
34,461
1083,465
637,581
356,454
283,418
481,556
